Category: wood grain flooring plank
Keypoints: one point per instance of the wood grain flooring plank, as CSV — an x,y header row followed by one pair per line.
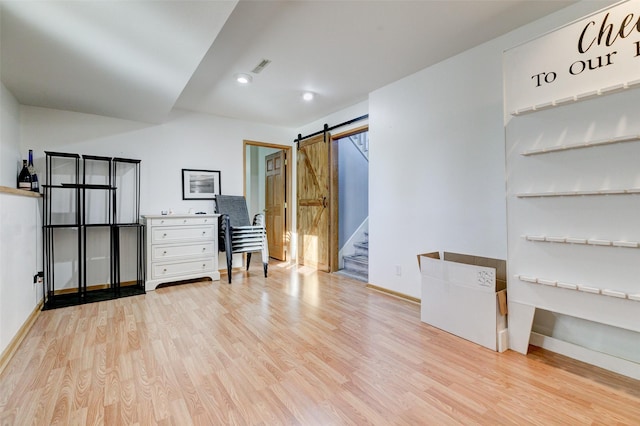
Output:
x,y
273,411
300,403
254,370
387,404
160,399
64,401
50,393
236,392
214,395
430,411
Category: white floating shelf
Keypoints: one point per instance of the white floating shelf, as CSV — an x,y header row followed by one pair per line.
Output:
x,y
578,287
588,144
571,240
588,289
564,101
568,286
599,242
614,293
527,279
577,98
630,244
574,240
579,193
612,89
555,239
547,282
588,95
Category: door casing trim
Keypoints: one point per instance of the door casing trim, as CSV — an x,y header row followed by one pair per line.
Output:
x,y
288,152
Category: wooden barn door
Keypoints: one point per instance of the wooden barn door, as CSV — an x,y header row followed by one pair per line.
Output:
x,y
315,202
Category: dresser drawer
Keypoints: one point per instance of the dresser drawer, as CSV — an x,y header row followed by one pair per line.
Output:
x,y
179,221
162,253
160,270
171,234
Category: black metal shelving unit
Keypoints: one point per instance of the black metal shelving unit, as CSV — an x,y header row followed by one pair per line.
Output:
x,y
126,224
79,217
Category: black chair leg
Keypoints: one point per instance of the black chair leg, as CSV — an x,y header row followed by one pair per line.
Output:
x,y
248,259
227,244
265,265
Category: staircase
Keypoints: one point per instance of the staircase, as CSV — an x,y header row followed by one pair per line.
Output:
x,y
357,265
361,141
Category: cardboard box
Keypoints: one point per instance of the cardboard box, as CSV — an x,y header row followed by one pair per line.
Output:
x,y
466,296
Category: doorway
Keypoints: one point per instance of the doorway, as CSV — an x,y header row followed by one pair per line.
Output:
x,y
332,201
267,183
353,200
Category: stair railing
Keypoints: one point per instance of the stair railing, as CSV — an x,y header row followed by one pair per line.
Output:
x,y
361,141
348,246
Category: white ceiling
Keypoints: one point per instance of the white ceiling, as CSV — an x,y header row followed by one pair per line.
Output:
x,y
139,59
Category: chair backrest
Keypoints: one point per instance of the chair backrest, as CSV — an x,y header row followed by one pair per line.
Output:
x,y
236,207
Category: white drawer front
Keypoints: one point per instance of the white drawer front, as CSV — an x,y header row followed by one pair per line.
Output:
x,y
182,268
168,253
176,221
168,235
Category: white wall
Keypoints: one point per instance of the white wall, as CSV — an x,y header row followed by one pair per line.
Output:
x,y
20,238
20,260
252,192
186,140
10,158
335,118
436,159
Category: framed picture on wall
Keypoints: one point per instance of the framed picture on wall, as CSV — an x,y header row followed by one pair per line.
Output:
x,y
200,184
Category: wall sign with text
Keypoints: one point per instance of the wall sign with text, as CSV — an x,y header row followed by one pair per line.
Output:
x,y
590,57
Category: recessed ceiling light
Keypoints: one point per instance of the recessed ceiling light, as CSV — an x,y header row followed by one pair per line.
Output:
x,y
244,78
307,96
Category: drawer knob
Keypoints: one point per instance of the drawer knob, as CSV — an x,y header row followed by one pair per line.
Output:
x,y
205,221
184,221
204,265
204,232
162,221
164,252
164,235
204,249
164,270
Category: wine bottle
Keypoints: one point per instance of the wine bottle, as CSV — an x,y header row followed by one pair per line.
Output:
x,y
35,186
24,178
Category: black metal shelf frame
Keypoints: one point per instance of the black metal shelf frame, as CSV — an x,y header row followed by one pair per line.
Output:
x,y
63,173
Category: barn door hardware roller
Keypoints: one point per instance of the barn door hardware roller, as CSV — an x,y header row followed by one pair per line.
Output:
x,y
326,129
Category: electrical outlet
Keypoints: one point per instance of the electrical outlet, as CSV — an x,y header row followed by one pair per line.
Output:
x,y
38,278
398,270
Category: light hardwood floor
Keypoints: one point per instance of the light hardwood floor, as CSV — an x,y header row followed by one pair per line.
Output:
x,y
299,347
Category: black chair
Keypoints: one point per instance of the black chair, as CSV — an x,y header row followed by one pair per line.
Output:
x,y
237,234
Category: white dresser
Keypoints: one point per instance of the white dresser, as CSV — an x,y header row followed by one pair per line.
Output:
x,y
181,247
